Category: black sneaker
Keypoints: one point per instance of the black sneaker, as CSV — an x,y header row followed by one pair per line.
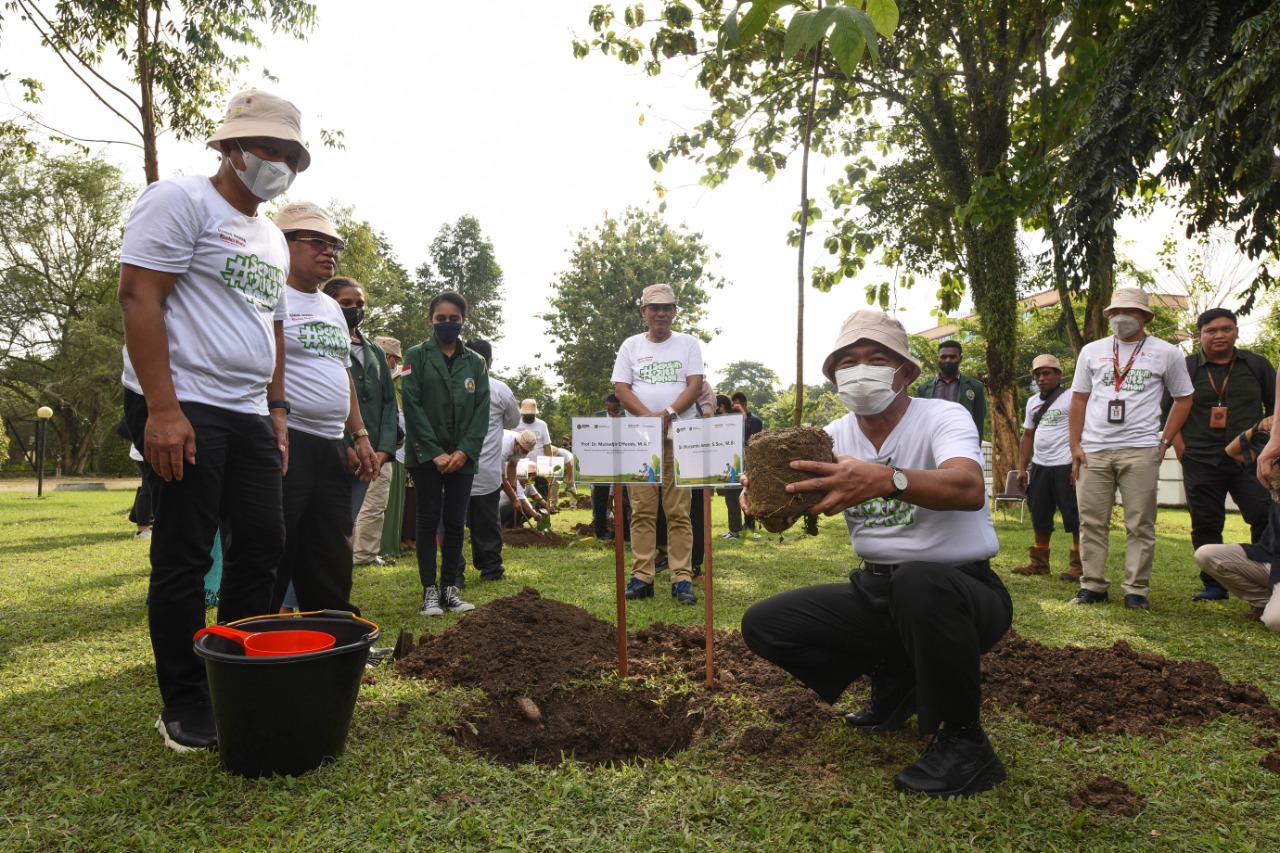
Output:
x,y
683,593
1136,602
1210,593
188,728
893,701
953,765
638,589
451,601
1088,596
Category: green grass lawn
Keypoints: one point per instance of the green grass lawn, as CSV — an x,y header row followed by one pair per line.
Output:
x,y
82,769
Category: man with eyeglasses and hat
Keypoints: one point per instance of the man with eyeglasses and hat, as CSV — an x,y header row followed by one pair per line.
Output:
x,y
925,606
202,281
1117,443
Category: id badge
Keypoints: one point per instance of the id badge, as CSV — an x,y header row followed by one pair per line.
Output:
x,y
1115,412
1218,417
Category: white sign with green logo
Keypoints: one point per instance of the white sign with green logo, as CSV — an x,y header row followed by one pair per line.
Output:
x,y
618,450
708,451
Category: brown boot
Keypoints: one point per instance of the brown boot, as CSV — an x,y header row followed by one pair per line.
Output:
x,y
1076,569
1039,564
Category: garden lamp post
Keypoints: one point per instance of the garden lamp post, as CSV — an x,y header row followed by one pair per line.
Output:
x,y
43,413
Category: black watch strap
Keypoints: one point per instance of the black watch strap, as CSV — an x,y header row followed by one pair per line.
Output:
x,y
279,404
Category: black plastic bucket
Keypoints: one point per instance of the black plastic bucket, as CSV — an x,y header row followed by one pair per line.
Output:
x,y
288,714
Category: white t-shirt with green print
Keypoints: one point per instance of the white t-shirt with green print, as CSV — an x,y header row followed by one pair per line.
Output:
x,y
231,271
1156,366
658,373
316,358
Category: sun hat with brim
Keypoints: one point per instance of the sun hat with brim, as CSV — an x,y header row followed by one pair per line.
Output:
x,y
874,326
526,439
390,346
305,216
1130,297
528,407
658,294
263,114
1046,360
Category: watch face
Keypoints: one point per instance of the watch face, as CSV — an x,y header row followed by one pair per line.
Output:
x,y
899,481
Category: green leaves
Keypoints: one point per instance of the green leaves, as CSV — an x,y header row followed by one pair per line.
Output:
x,y
853,31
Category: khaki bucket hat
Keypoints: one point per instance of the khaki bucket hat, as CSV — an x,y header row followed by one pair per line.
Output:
x,y
1130,297
257,113
305,216
873,326
1046,360
658,294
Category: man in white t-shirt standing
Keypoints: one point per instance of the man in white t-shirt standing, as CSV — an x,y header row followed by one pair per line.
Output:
x,y
925,605
483,520
658,374
1048,486
202,279
317,490
1116,442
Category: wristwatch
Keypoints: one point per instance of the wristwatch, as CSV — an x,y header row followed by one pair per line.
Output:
x,y
1166,442
279,404
360,433
672,413
899,481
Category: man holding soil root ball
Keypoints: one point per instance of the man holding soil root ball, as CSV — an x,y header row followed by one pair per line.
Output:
x,y
908,479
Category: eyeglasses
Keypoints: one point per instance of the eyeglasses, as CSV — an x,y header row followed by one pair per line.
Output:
x,y
319,245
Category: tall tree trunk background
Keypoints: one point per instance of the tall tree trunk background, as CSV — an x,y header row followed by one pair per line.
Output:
x,y
993,279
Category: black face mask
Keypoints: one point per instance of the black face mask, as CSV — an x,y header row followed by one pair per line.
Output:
x,y
949,368
447,333
527,418
354,315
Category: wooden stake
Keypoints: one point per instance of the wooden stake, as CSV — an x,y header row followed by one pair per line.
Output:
x,y
619,566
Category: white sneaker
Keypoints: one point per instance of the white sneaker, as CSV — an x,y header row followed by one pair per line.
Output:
x,y
143,534
431,603
453,602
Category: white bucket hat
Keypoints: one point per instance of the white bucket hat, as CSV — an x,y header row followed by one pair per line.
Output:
x,y
257,113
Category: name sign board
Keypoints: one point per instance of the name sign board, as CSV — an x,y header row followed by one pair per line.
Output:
x,y
618,450
708,451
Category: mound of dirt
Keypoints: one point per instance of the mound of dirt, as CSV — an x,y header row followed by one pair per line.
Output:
x,y
768,459
584,530
1114,691
1108,795
527,537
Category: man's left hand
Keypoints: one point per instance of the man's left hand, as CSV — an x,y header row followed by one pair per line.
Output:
x,y
280,424
369,468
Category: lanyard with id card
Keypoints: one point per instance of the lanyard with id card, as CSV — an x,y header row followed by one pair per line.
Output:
x,y
1115,408
1218,413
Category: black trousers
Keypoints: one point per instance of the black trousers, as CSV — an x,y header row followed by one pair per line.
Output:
x,y
317,522
1048,488
441,498
600,513
486,534
931,619
698,524
236,478
1207,487
140,512
737,521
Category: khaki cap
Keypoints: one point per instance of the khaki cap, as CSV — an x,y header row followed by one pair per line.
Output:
x,y
305,216
390,346
526,439
1046,360
658,294
257,113
528,407
875,326
1129,297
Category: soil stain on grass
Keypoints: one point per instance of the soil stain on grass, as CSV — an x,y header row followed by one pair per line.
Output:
x,y
1108,795
524,537
540,664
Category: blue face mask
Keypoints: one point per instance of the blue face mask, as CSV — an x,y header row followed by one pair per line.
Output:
x,y
447,333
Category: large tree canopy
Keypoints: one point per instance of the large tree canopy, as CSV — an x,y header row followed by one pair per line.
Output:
x,y
462,260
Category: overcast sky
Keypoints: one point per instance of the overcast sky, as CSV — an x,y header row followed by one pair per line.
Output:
x,y
481,109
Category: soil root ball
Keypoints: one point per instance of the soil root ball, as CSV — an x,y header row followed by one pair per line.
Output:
x,y
768,463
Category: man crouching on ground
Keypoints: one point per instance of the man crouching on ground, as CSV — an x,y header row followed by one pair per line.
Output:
x,y
908,478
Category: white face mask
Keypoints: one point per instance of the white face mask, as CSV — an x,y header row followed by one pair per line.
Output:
x,y
1124,326
866,389
264,178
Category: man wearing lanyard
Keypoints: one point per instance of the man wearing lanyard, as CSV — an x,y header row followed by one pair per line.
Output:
x,y
1234,390
1114,421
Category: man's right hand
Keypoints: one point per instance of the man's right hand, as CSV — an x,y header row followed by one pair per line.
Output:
x,y
1078,461
168,441
1023,479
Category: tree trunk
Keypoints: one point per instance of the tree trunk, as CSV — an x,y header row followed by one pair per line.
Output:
x,y
146,79
1100,261
992,252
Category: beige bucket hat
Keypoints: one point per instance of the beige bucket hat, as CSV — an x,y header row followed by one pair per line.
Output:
x,y
1046,360
526,439
305,216
873,326
390,346
529,407
658,294
1130,297
257,113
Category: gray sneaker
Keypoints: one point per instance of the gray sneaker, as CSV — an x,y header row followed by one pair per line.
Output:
x,y
453,603
431,603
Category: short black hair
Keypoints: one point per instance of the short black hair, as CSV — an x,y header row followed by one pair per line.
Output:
x,y
955,345
452,297
739,397
336,285
723,402
612,398
1215,314
481,347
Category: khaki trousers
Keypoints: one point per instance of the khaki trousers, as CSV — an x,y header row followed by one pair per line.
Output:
x,y
1248,580
644,524
367,540
1135,472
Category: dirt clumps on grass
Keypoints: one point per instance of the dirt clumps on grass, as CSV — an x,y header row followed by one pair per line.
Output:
x,y
525,537
1114,690
768,460
1108,795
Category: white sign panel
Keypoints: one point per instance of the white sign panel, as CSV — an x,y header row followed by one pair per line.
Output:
x,y
618,450
708,451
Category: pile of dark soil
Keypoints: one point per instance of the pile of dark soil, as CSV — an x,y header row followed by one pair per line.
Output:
x,y
539,664
768,460
1108,795
525,537
1114,691
584,530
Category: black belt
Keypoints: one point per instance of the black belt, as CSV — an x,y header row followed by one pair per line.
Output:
x,y
882,569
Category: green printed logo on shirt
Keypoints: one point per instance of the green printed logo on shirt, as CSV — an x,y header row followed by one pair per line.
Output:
x,y
324,340
1053,417
259,281
883,512
1134,380
660,372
